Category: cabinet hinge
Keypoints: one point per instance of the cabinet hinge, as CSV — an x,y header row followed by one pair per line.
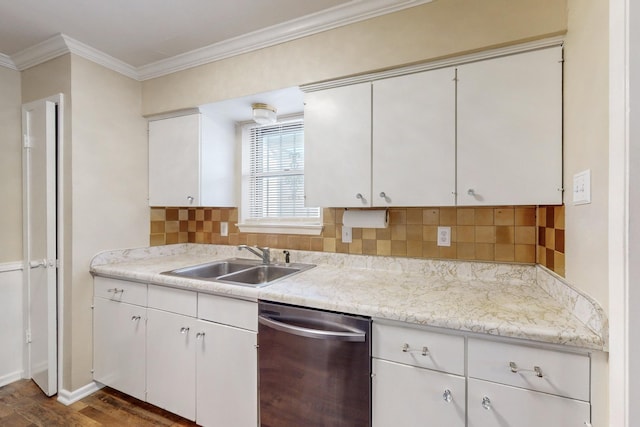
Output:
x,y
26,141
27,336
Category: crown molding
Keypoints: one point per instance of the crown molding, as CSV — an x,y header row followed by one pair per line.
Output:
x,y
349,13
5,61
100,57
335,17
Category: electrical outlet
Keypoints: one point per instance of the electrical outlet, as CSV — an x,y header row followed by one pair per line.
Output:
x,y
444,236
346,234
224,229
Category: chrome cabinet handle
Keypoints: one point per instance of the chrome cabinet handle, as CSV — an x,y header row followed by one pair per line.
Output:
x,y
184,330
135,318
407,349
190,199
447,396
359,196
471,192
115,290
383,195
486,403
536,369
200,335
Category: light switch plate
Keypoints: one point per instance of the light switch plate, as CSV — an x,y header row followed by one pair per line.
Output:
x,y
224,229
582,187
444,236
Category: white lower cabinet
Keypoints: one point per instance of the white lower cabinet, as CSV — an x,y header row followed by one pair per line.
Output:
x,y
499,405
408,396
227,376
165,349
171,362
119,346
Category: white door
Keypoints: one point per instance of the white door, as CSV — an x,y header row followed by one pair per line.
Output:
x,y
414,140
227,376
39,241
337,147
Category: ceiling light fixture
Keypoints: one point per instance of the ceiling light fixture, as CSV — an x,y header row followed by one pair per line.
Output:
x,y
264,114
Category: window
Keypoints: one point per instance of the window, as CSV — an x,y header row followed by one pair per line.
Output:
x,y
273,180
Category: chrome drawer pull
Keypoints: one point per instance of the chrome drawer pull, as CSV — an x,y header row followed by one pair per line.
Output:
x,y
200,335
135,318
407,349
486,403
515,369
115,290
447,396
184,330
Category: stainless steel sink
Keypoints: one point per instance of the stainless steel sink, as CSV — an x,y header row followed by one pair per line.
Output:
x,y
240,271
260,275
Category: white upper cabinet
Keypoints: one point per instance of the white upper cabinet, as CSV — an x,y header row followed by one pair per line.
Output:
x,y
191,162
510,130
414,145
337,143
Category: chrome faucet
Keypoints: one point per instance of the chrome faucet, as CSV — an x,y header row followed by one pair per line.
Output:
x,y
264,253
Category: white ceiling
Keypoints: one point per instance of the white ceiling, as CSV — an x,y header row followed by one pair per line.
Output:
x,y
155,37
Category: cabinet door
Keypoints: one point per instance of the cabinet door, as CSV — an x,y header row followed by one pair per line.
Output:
x,y
174,152
171,362
510,130
414,145
497,405
227,378
407,396
337,152
119,346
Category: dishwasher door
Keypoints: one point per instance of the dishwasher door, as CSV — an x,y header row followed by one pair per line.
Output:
x,y
315,368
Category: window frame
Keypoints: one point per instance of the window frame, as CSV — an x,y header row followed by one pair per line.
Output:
x,y
246,224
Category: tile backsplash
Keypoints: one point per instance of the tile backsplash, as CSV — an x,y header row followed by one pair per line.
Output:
x,y
503,233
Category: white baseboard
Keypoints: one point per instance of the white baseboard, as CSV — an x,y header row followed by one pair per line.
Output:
x,y
9,378
67,397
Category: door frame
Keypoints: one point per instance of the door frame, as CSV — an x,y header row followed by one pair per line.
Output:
x,y
58,100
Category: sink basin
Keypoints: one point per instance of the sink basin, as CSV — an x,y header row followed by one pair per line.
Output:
x,y
239,271
213,269
260,275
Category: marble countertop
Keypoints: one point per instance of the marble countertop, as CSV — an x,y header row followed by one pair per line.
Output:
x,y
497,299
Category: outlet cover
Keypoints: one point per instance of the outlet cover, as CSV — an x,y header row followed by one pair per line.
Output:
x,y
347,234
444,236
582,187
224,229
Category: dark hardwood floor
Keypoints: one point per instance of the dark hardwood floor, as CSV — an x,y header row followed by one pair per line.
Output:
x,y
22,404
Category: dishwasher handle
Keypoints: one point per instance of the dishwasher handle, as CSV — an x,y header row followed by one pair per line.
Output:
x,y
353,336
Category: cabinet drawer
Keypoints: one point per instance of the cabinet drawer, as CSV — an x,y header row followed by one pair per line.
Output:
x,y
408,396
228,311
491,404
174,300
120,290
407,345
564,374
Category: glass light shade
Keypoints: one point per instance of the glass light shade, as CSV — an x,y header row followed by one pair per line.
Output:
x,y
264,114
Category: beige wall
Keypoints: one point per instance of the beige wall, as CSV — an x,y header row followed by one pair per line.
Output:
x,y
10,166
109,187
586,134
435,30
104,184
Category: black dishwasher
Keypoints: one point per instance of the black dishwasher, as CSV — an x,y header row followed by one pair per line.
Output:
x,y
314,367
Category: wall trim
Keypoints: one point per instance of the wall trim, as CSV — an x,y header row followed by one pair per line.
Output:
x,y
10,378
338,16
67,397
10,266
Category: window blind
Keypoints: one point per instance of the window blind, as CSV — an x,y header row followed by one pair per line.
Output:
x,y
276,173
